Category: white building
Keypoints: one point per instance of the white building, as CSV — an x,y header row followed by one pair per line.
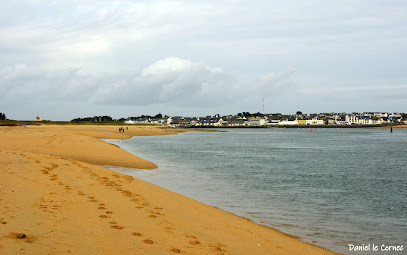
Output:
x,y
351,119
365,121
288,122
314,121
257,121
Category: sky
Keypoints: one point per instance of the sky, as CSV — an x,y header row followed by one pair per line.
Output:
x,y
62,59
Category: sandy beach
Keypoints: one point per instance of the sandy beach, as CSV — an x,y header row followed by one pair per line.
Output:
x,y
53,189
396,126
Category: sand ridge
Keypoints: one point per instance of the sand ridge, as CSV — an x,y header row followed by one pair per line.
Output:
x,y
79,142
65,204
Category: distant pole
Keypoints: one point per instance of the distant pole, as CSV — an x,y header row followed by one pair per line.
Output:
x,y
391,125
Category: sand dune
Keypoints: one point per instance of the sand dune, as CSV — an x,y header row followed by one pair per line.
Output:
x,y
52,191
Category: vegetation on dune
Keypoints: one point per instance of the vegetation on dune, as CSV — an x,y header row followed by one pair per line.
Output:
x,y
94,119
110,120
17,123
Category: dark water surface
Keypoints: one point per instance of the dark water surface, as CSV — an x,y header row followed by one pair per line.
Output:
x,y
332,187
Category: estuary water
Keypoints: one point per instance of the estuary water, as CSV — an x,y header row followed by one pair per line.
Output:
x,y
330,187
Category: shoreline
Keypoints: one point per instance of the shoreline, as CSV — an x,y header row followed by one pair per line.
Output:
x,y
56,195
290,233
303,126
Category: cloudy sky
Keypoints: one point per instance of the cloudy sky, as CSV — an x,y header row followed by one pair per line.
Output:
x,y
62,59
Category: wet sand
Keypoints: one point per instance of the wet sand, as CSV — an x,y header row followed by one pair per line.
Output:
x,y
396,126
52,190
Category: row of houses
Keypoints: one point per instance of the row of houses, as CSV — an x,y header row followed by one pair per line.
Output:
x,y
343,119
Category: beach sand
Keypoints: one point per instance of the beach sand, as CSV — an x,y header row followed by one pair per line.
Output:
x,y
396,126
52,190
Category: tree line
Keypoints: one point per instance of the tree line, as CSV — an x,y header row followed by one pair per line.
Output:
x,y
248,114
94,119
157,116
110,119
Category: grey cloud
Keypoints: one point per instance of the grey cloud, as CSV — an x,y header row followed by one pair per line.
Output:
x,y
31,83
172,80
273,80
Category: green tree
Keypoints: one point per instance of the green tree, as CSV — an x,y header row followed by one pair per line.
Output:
x,y
2,116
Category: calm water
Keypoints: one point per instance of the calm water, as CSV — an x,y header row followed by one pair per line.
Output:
x,y
331,187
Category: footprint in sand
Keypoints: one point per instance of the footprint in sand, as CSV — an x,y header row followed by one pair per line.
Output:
x,y
219,247
117,227
136,234
126,193
148,241
175,250
54,177
92,199
130,179
155,212
103,216
194,242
